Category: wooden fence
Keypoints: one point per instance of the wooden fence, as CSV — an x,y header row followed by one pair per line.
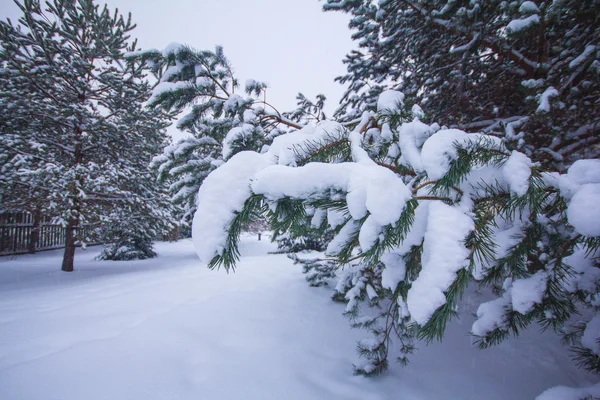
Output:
x,y
27,233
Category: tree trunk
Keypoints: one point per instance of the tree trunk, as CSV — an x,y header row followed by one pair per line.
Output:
x,y
74,218
69,255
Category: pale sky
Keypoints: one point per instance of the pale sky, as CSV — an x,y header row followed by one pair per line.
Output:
x,y
290,44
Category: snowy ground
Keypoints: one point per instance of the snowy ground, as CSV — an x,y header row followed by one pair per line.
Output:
x,y
169,328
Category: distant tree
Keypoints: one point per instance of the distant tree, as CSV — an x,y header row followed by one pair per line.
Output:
x,y
75,137
219,119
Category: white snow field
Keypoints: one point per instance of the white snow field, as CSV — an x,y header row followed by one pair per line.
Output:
x,y
169,328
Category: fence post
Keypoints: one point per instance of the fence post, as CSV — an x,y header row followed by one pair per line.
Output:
x,y
34,236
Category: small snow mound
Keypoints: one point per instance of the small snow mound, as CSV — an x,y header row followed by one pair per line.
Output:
x,y
233,103
394,272
517,25
528,291
249,115
237,133
591,335
533,83
289,148
390,100
412,136
164,87
337,244
490,315
545,99
417,111
439,150
567,393
580,173
171,48
517,171
584,171
203,82
369,233
528,7
583,211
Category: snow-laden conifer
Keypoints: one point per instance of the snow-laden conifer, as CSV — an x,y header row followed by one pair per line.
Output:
x,y
220,118
526,71
76,138
421,212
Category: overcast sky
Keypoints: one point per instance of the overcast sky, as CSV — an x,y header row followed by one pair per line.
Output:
x,y
290,44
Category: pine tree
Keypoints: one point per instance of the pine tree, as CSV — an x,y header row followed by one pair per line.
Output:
x,y
522,70
144,212
201,85
421,213
76,140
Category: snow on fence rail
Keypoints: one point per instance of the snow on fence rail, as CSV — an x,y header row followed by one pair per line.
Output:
x,y
26,233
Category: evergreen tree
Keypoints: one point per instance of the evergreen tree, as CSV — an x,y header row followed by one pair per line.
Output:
x,y
422,212
76,140
220,121
521,70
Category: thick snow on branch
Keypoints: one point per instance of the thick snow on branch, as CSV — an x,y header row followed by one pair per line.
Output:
x,y
444,254
412,137
223,193
545,99
390,100
490,315
528,291
583,212
369,188
517,171
439,150
164,87
581,184
225,190
517,25
292,147
589,50
237,133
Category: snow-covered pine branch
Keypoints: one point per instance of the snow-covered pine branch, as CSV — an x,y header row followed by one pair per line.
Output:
x,y
455,210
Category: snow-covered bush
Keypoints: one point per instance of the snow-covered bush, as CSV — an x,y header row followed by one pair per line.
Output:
x,y
420,213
